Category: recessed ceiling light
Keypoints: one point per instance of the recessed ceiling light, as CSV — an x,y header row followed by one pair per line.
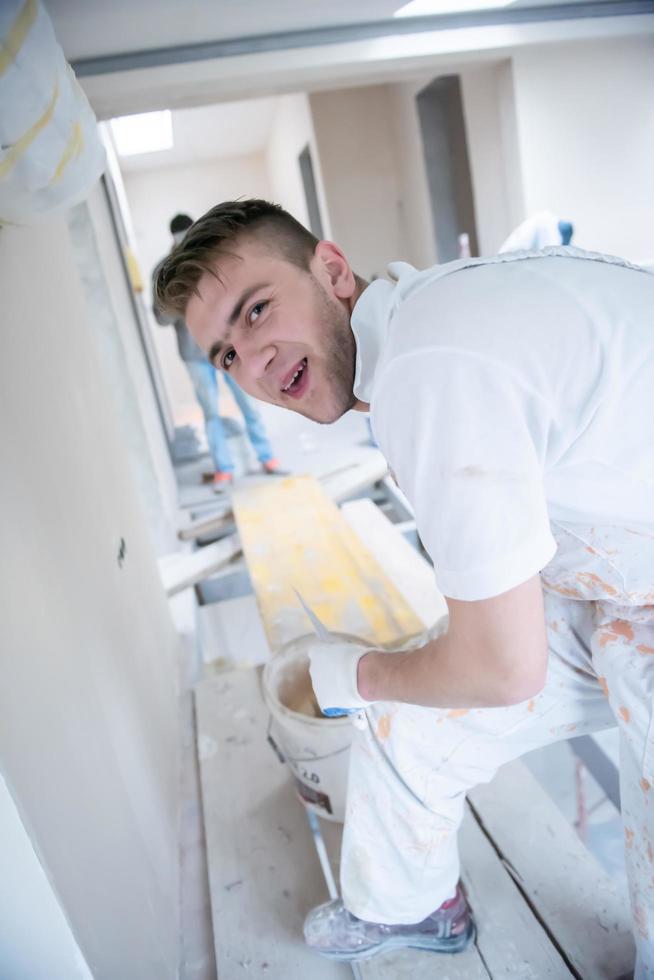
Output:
x,y
422,8
145,132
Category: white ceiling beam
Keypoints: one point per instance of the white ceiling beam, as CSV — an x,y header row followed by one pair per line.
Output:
x,y
349,33
372,61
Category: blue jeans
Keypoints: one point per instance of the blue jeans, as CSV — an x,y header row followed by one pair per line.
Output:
x,y
205,382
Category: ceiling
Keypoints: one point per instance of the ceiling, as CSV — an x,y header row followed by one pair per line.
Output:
x,y
209,133
140,55
94,28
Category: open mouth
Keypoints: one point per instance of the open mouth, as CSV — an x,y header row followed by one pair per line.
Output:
x,y
297,381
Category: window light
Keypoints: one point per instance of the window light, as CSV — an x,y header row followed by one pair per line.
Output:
x,y
144,132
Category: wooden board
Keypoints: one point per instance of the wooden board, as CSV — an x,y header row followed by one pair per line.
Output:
x,y
510,939
338,484
294,536
264,874
412,574
207,525
352,479
179,571
559,876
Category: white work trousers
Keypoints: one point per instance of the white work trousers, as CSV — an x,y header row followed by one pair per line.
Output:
x,y
400,859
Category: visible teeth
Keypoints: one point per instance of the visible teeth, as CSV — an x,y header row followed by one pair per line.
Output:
x,y
295,376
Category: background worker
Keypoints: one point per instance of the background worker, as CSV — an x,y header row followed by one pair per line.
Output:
x,y
513,398
539,231
205,385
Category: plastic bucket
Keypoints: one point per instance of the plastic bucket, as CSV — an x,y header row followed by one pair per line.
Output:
x,y
316,749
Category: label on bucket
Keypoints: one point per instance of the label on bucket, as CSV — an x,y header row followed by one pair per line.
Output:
x,y
314,796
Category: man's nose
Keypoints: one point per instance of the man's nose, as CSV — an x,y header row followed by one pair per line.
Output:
x,y
255,358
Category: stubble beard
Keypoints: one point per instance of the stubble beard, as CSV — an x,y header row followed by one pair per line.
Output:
x,y
340,357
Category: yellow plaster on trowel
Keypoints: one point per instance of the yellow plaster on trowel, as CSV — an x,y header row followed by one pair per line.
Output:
x,y
294,537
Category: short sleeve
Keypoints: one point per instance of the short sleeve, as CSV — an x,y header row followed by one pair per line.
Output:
x,y
466,442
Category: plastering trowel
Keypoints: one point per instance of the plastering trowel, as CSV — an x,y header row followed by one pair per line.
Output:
x,y
325,636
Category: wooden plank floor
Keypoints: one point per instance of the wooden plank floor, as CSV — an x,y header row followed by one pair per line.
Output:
x,y
562,881
263,870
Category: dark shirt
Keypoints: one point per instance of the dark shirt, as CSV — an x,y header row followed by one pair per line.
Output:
x,y
188,349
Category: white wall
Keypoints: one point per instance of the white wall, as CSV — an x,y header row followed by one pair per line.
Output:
x,y
569,128
359,170
489,114
291,131
378,182
29,908
154,197
492,153
508,121
586,132
396,165
88,710
416,224
111,317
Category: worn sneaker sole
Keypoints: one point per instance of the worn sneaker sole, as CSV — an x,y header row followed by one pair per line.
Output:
x,y
455,944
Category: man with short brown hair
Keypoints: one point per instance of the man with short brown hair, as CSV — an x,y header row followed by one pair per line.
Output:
x,y
205,385
513,398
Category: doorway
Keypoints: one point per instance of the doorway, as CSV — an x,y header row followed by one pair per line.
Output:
x,y
310,192
442,126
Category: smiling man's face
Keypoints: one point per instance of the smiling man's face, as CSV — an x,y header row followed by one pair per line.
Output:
x,y
282,333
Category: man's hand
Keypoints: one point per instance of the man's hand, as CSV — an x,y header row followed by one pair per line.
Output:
x,y
334,675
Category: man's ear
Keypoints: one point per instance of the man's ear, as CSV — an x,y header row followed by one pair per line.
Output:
x,y
333,265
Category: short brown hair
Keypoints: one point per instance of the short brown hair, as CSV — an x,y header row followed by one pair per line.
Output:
x,y
212,235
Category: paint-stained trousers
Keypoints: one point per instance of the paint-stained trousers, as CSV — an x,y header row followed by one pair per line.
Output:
x,y
400,859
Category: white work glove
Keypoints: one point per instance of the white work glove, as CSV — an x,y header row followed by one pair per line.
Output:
x,y
333,670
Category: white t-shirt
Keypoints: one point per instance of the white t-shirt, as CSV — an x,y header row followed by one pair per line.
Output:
x,y
508,392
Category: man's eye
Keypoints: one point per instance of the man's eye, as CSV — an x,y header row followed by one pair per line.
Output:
x,y
256,311
228,359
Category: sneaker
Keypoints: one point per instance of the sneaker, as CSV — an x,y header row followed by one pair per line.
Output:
x,y
222,481
332,931
272,467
